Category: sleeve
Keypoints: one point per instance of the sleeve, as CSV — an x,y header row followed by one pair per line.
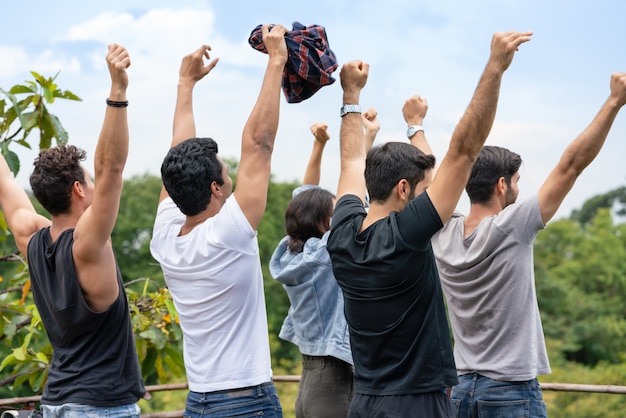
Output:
x,y
522,219
230,228
348,207
419,221
167,214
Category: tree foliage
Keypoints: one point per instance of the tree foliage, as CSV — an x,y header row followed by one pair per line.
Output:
x,y
23,114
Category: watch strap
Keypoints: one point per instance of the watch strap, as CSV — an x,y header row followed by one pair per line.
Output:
x,y
349,108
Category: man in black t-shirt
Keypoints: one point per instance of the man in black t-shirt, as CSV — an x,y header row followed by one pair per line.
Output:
x,y
382,258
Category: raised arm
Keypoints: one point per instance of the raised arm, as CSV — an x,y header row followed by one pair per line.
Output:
x,y
192,70
19,212
93,254
257,142
370,122
473,129
581,152
313,170
353,145
414,112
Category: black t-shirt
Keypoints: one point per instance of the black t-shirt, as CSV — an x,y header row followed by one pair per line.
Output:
x,y
393,300
94,361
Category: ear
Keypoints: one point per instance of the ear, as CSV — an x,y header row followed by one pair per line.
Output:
x,y
215,189
78,189
501,186
403,190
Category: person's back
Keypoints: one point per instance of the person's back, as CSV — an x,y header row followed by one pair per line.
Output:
x,y
94,360
394,304
489,283
214,276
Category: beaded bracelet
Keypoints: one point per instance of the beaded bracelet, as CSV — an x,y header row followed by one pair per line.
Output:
x,y
113,103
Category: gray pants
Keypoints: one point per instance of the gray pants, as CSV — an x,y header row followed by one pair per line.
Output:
x,y
326,388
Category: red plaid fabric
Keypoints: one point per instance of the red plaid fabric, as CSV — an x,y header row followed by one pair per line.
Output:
x,y
310,61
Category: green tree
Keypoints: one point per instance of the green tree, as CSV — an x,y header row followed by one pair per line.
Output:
x,y
30,112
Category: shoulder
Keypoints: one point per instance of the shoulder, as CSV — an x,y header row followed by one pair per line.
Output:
x,y
348,206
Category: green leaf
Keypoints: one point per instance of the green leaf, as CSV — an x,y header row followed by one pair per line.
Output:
x,y
59,131
66,94
42,357
13,161
21,89
19,353
10,359
46,130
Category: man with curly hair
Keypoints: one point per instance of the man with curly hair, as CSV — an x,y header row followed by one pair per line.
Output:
x,y
76,283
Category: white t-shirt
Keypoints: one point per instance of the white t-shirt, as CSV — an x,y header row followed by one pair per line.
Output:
x,y
489,282
214,275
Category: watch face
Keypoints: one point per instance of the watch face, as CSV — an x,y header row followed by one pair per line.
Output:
x,y
411,131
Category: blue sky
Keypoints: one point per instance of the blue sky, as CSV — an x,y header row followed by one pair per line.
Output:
x,y
553,89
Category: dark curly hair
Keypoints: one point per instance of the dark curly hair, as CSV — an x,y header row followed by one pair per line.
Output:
x,y
56,170
187,172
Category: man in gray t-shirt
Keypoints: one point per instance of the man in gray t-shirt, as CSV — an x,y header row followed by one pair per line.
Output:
x,y
485,262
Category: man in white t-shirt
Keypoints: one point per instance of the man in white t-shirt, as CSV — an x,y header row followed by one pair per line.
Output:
x,y
205,241
485,261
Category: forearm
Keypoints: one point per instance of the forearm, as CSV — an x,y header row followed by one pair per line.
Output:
x,y
112,148
475,125
260,129
581,152
313,170
184,124
419,141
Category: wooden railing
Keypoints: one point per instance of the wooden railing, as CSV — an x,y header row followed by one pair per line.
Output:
x,y
558,387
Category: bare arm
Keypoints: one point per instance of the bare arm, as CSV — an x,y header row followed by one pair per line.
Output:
x,y
581,152
93,254
414,112
313,170
370,122
257,142
19,212
473,129
192,70
353,146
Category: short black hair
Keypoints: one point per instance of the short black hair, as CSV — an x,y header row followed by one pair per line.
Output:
x,y
187,172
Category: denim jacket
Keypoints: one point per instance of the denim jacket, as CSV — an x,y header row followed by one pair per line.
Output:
x,y
315,321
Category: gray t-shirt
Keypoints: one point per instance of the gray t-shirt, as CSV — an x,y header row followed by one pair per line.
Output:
x,y
489,283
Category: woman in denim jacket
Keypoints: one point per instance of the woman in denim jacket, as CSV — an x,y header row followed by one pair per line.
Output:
x,y
315,321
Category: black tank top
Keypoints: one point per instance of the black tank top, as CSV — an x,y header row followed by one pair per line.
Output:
x,y
94,361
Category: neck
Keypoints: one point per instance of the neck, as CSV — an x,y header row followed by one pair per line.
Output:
x,y
62,222
192,221
478,212
380,210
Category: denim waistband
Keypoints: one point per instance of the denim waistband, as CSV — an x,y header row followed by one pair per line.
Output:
x,y
237,392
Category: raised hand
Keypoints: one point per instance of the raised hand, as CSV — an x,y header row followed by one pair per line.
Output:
x,y
504,45
193,68
414,110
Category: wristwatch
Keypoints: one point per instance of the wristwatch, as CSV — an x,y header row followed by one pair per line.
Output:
x,y
413,129
349,108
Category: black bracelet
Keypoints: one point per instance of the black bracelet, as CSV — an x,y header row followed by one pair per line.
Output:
x,y
113,103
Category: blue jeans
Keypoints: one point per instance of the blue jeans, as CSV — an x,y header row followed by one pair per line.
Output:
x,y
260,400
477,396
75,410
